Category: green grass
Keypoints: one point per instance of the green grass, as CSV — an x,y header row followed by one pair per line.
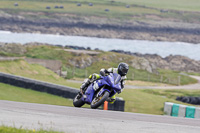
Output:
x,y
117,8
9,54
12,93
195,74
118,11
193,5
172,94
172,76
6,129
34,71
152,101
165,76
139,101
103,60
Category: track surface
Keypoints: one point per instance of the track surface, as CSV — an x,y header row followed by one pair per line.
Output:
x,y
71,120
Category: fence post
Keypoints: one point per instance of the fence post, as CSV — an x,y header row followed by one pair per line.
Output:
x,y
73,72
66,74
161,78
133,76
60,71
86,73
179,80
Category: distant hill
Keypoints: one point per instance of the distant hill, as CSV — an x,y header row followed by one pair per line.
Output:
x,y
155,20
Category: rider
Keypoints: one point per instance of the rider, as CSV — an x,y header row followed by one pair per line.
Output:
x,y
121,70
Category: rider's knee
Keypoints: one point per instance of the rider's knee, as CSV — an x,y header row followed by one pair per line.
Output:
x,y
90,76
94,76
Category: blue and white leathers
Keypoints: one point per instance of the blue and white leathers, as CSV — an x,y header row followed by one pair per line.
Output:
x,y
110,83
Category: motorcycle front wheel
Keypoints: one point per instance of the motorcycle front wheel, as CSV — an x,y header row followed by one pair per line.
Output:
x,y
77,102
97,101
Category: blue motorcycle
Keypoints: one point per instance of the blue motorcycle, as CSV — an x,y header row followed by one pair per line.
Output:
x,y
99,91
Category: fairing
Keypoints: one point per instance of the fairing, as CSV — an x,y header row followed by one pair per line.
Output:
x,y
112,85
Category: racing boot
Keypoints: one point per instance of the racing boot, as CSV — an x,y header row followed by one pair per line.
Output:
x,y
84,85
111,99
79,95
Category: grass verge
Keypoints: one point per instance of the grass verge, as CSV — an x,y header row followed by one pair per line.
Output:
x,y
137,100
12,93
150,101
34,71
6,129
117,8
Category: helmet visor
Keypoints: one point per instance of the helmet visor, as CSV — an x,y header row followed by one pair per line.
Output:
x,y
123,71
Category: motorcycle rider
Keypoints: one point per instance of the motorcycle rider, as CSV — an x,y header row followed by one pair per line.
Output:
x,y
122,70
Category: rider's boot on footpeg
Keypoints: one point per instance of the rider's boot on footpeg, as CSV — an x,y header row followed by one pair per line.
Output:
x,y
84,85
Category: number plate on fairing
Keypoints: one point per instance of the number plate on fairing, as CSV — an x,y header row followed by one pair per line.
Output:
x,y
95,86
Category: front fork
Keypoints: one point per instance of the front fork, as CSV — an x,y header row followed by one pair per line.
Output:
x,y
102,91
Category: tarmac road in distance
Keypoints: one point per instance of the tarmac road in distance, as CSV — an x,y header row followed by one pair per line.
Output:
x,y
83,120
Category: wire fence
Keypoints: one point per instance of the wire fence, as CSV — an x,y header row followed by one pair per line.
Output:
x,y
158,78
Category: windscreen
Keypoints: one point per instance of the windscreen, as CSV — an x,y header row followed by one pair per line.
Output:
x,y
117,78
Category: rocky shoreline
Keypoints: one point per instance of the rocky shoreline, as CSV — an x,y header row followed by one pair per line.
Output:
x,y
64,24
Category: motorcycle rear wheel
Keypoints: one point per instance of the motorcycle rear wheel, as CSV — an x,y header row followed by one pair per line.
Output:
x,y
97,101
77,102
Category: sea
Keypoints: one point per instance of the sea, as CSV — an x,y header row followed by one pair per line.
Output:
x,y
106,44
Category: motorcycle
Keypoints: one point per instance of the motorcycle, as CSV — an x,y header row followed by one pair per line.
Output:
x,y
99,91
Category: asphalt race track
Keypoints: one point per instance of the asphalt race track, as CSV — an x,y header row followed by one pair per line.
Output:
x,y
81,120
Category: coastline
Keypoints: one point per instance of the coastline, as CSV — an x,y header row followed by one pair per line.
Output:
x,y
64,24
163,49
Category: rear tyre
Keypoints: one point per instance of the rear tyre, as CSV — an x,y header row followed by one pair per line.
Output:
x,y
77,101
97,101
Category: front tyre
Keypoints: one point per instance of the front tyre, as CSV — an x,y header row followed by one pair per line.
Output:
x,y
97,101
77,101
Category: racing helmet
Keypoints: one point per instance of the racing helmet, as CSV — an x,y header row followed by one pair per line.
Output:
x,y
123,69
